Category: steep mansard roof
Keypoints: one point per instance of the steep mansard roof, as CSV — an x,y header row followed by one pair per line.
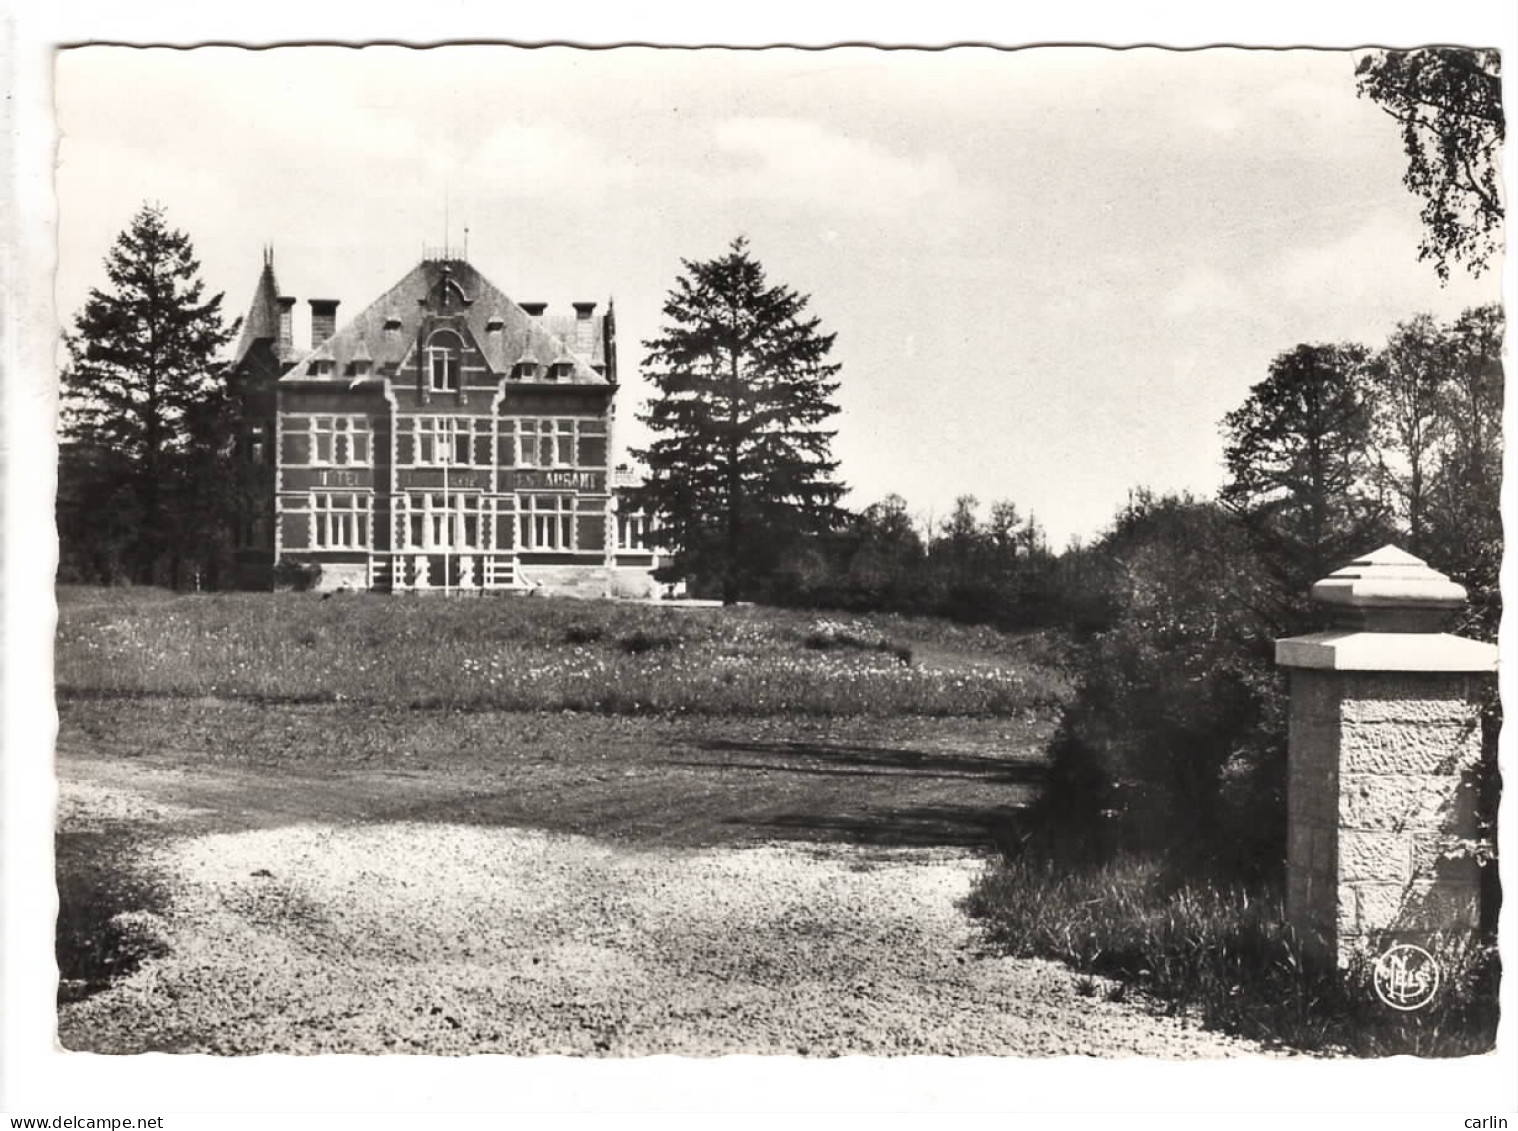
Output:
x,y
505,333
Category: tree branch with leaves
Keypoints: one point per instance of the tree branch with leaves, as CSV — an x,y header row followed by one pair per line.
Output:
x,y
1448,101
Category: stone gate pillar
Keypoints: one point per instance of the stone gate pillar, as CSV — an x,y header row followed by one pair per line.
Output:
x,y
1383,762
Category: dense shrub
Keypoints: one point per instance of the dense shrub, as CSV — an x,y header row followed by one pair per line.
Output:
x,y
1174,740
297,576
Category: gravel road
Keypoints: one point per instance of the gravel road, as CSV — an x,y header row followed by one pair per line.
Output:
x,y
452,939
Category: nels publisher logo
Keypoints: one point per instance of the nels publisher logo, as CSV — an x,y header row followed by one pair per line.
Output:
x,y
1406,977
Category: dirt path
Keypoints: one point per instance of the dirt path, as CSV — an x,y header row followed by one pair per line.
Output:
x,y
678,782
400,936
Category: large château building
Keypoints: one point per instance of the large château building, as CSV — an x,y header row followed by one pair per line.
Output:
x,y
446,439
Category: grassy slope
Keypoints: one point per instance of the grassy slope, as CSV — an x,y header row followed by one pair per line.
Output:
x,y
534,655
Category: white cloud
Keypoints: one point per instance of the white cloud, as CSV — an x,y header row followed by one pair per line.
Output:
x,y
808,163
1205,290
530,161
1372,267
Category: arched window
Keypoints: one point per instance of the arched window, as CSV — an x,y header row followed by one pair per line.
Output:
x,y
444,349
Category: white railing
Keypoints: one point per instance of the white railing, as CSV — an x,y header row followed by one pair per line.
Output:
x,y
425,571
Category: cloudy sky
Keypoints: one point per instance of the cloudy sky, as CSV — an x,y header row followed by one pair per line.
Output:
x,y
1050,271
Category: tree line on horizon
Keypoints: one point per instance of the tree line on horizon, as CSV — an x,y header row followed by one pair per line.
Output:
x,y
1338,448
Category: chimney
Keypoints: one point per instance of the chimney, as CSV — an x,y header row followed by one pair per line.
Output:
x,y
585,335
609,340
534,309
323,319
286,341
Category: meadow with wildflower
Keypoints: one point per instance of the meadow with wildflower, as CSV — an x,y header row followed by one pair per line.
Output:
x,y
519,654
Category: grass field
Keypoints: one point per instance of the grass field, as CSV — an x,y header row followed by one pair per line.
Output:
x,y
692,726
541,655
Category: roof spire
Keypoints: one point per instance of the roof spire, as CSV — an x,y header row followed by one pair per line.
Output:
x,y
263,317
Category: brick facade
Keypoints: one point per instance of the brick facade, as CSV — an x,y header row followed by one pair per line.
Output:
x,y
444,439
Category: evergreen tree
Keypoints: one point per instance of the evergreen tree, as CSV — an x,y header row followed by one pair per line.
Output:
x,y
1300,468
740,469
218,488
143,370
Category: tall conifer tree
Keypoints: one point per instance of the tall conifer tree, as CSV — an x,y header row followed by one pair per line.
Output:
x,y
740,469
143,371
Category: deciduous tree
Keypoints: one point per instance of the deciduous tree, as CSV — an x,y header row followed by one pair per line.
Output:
x,y
1464,509
1408,423
885,568
1449,103
1299,464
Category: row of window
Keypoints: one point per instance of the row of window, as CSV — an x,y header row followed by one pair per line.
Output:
x,y
432,441
463,441
328,441
454,441
427,520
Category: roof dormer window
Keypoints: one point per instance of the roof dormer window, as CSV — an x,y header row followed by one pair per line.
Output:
x,y
444,350
495,325
526,370
322,367
362,361
560,371
393,324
